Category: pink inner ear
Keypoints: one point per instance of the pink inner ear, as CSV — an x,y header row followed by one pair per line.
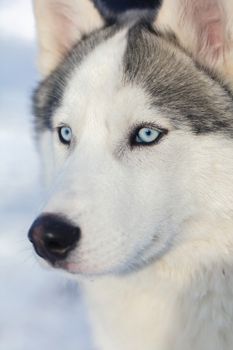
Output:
x,y
208,18
65,28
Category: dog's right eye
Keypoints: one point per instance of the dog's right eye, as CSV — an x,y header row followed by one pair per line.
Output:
x,y
65,134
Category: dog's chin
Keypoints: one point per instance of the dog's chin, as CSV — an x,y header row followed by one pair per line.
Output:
x,y
72,268
94,269
80,269
85,269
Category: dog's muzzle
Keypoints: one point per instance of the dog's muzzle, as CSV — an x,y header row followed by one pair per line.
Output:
x,y
53,237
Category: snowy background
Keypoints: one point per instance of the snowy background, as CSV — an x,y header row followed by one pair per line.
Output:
x,y
39,309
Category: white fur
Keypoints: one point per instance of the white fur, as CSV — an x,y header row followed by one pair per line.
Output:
x,y
184,300
157,223
132,205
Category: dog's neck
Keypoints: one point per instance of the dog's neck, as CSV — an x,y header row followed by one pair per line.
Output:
x,y
182,297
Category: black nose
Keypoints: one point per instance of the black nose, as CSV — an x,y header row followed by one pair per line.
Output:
x,y
53,236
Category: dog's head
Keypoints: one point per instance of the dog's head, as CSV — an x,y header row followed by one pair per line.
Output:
x,y
134,121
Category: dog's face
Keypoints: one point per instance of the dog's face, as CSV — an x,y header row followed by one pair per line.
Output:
x,y
137,129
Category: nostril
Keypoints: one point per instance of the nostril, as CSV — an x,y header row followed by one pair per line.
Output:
x,y
51,242
60,244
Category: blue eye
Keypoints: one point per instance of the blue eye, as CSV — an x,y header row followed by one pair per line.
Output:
x,y
65,134
147,136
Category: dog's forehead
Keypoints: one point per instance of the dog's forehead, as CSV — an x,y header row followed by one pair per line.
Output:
x,y
187,94
96,80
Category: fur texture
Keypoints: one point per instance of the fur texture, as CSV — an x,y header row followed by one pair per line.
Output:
x,y
155,257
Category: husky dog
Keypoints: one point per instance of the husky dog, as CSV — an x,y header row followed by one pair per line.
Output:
x,y
134,120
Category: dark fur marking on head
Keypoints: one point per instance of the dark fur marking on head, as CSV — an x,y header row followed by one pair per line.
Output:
x,y
190,95
187,93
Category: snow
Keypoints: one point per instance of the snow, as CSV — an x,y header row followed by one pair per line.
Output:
x,y
39,308
18,12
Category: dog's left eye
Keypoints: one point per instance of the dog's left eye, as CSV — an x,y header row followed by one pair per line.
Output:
x,y
146,136
65,134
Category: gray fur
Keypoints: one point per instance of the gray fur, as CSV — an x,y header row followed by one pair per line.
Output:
x,y
184,91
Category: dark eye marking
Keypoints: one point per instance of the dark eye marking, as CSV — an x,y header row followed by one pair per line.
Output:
x,y
147,135
65,134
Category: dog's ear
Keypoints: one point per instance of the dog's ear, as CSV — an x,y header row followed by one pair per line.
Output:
x,y
61,23
204,27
